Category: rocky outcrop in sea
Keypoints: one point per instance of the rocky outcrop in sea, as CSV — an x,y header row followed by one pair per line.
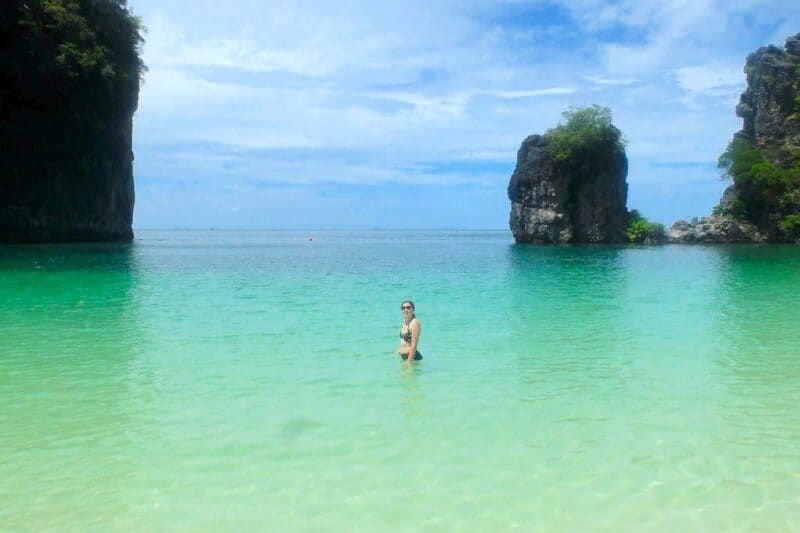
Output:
x,y
721,229
578,201
713,229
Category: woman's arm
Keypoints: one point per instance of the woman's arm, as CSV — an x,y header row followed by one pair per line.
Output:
x,y
415,328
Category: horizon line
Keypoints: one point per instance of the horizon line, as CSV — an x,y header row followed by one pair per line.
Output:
x,y
215,228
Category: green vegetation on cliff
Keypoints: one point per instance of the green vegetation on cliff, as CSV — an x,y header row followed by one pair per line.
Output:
x,y
56,49
585,132
767,195
640,229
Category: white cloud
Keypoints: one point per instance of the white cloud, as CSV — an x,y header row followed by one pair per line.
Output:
x,y
712,78
448,106
531,93
316,53
610,81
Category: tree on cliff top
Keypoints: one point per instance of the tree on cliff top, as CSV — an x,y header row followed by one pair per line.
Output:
x,y
586,131
53,48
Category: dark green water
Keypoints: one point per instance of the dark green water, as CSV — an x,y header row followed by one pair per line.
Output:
x,y
246,380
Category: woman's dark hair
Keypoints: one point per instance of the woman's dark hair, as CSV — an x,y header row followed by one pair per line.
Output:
x,y
413,308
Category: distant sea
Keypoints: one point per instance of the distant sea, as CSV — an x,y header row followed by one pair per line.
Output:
x,y
220,380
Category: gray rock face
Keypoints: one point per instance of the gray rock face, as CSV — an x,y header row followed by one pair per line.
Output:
x,y
729,196
713,230
579,203
793,45
768,106
53,204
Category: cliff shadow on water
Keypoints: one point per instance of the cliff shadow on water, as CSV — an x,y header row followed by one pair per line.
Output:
x,y
562,293
594,305
752,373
63,305
758,288
76,397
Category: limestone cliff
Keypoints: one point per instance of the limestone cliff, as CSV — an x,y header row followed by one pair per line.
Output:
x,y
69,82
763,159
569,185
770,106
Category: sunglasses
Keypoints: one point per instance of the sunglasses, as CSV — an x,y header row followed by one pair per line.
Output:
x,y
405,307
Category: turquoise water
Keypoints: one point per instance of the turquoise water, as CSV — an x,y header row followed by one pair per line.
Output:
x,y
246,380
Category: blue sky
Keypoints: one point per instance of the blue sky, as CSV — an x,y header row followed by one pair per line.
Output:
x,y
409,114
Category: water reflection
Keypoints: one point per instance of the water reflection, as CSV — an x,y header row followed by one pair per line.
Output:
x,y
753,384
756,310
566,314
413,396
70,336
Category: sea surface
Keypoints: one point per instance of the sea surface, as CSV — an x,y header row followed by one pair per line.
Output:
x,y
220,380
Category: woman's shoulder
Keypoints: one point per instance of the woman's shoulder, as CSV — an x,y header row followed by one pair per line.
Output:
x,y
416,321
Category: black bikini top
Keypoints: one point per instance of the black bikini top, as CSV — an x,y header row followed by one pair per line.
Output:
x,y
407,335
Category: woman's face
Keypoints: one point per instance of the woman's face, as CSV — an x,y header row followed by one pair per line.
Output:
x,y
407,309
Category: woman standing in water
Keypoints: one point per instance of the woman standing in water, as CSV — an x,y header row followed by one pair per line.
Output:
x,y
409,333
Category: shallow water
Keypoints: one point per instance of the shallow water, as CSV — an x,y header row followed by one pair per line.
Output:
x,y
246,380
